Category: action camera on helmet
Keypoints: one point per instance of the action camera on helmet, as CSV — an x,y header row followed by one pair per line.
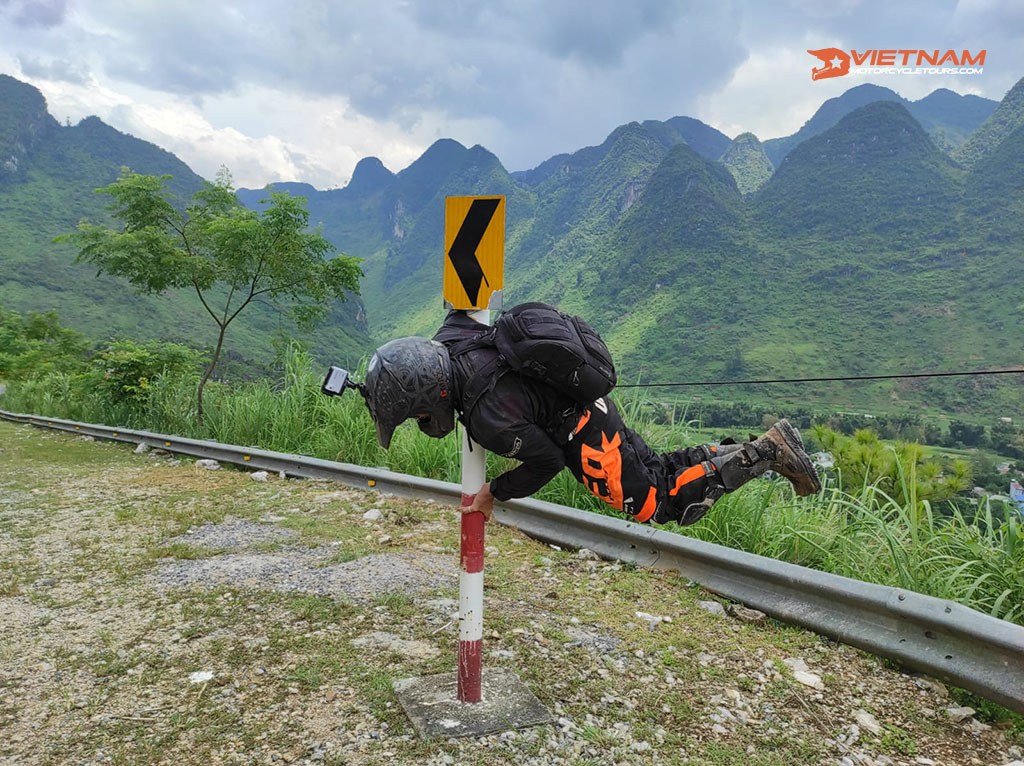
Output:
x,y
337,381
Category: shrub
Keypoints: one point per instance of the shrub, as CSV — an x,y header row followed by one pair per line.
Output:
x,y
124,371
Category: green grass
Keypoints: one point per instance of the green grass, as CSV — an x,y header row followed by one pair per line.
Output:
x,y
857,531
287,673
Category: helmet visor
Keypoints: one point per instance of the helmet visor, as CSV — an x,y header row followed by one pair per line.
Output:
x,y
384,432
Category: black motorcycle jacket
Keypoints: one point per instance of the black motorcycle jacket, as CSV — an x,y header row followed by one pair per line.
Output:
x,y
517,417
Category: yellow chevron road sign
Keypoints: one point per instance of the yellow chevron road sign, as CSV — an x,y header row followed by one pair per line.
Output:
x,y
474,247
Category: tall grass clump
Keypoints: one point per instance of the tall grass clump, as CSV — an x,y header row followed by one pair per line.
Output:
x,y
885,516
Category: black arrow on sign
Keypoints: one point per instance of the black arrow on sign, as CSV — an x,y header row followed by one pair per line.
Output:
x,y
463,249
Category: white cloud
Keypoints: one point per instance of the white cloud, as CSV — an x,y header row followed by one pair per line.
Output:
x,y
316,140
303,95
768,94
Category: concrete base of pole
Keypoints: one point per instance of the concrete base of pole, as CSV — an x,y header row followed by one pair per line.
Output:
x,y
433,707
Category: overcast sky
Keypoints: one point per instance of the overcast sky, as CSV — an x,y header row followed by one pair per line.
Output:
x,y
301,90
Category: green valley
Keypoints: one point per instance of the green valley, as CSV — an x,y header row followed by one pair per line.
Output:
x,y
866,243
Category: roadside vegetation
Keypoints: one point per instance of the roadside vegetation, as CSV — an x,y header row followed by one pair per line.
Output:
x,y
890,513
156,612
217,243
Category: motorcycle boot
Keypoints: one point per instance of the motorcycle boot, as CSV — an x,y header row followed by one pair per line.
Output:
x,y
779,449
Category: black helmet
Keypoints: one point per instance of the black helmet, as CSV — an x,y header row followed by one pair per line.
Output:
x,y
410,377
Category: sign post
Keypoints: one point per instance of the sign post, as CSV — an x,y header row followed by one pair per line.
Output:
x,y
474,245
470,702
471,575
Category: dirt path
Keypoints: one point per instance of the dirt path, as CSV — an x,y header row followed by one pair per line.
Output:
x,y
156,612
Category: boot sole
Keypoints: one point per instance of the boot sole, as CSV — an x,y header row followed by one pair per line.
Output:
x,y
792,438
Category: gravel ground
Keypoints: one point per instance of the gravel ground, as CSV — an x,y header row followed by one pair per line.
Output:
x,y
303,572
155,612
236,534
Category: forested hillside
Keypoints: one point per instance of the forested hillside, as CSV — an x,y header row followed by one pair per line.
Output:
x,y
871,247
947,117
48,176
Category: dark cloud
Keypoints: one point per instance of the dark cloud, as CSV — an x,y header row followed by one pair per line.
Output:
x,y
570,71
59,70
186,78
596,33
193,51
35,13
527,78
602,36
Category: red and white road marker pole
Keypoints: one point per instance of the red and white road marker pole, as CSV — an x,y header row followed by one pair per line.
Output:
x,y
471,574
474,246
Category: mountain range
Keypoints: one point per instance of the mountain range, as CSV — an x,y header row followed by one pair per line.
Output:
x,y
850,248
879,238
48,174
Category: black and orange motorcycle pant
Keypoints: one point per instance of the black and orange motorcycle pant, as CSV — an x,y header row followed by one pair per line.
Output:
x,y
619,467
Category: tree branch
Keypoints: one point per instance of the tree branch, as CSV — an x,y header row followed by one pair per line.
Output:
x,y
227,305
259,273
238,311
284,286
252,290
181,232
199,292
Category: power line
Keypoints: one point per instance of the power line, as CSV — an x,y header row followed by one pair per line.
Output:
x,y
821,380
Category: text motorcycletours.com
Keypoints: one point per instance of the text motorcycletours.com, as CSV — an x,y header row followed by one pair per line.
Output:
x,y
916,70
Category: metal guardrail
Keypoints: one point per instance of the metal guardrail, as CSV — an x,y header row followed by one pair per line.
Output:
x,y
942,638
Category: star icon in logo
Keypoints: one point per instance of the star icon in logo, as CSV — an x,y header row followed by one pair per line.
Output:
x,y
834,63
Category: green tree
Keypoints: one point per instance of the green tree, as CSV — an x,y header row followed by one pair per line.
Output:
x,y
36,344
899,470
933,434
229,255
967,434
1007,439
123,371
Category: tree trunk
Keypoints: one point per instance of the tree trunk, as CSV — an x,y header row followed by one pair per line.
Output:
x,y
207,374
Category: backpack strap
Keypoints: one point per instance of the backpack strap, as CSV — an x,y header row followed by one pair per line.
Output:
x,y
481,382
465,345
462,336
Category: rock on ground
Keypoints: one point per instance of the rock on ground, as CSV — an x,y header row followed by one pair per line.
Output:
x,y
746,614
713,607
959,713
383,641
867,721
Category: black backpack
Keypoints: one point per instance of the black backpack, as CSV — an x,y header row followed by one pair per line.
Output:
x,y
539,341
